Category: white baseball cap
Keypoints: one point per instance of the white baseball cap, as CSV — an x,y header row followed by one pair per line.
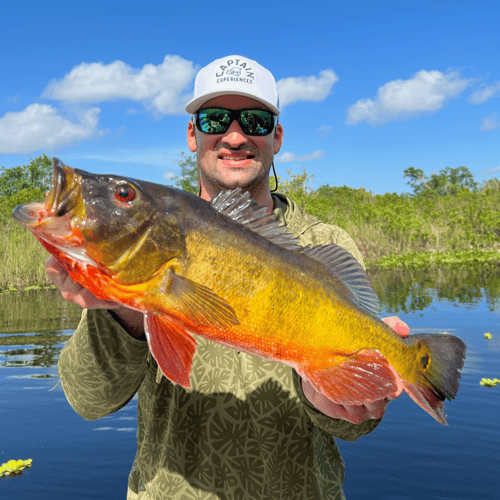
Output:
x,y
234,75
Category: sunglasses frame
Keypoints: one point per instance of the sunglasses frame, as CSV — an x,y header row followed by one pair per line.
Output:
x,y
234,114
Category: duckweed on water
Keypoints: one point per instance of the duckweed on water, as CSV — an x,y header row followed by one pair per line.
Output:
x,y
14,467
489,382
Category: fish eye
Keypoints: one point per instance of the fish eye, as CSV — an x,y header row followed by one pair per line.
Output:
x,y
125,193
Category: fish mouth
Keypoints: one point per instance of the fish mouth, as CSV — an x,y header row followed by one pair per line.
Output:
x,y
64,200
65,195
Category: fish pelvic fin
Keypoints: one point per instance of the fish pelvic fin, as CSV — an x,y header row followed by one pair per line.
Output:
x,y
439,361
362,377
172,347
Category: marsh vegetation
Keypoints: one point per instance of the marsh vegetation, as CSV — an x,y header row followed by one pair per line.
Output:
x,y
447,219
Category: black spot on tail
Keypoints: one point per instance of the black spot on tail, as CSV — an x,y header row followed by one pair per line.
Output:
x,y
424,361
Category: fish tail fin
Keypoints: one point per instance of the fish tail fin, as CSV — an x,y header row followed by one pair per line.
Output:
x,y
439,361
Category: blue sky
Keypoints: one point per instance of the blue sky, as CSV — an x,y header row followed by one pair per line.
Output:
x,y
369,88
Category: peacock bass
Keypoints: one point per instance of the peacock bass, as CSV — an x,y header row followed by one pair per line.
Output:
x,y
215,270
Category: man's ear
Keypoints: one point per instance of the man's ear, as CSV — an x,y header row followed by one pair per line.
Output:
x,y
191,136
278,138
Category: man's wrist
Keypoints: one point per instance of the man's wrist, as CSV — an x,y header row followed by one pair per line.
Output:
x,y
130,320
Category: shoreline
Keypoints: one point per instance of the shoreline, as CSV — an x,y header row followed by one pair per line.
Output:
x,y
409,261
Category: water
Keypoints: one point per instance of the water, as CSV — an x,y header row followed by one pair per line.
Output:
x,y
409,456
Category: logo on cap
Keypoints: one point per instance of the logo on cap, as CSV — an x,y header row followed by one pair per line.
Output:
x,y
237,70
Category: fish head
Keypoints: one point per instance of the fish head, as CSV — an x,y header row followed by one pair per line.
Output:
x,y
111,223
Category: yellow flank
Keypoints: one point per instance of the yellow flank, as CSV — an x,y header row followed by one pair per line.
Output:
x,y
287,311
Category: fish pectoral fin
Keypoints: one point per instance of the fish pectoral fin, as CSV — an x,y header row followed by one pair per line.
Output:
x,y
198,303
362,377
172,347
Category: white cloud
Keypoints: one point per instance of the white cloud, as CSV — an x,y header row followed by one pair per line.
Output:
x,y
163,87
168,176
40,126
288,157
306,88
324,130
486,92
490,122
425,92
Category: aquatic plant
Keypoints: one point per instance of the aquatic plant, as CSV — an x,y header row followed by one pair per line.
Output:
x,y
14,467
489,382
488,335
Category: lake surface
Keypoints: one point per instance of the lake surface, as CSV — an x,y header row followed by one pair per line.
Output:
x,y
409,456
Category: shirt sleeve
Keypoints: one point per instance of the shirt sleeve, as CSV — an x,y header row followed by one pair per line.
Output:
x,y
101,366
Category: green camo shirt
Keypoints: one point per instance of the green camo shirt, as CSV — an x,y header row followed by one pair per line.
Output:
x,y
244,431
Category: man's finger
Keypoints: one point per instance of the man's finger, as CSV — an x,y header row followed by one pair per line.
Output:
x,y
398,325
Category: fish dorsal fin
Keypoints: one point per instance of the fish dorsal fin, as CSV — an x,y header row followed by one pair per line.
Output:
x,y
240,207
347,268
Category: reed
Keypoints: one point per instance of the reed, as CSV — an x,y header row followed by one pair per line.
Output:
x,y
22,258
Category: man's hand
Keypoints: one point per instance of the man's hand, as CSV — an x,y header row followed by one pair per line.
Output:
x,y
356,413
132,321
72,291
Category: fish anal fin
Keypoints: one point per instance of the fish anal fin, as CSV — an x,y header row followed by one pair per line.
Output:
x,y
197,303
362,377
172,347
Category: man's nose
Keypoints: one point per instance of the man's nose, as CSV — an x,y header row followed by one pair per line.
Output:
x,y
234,136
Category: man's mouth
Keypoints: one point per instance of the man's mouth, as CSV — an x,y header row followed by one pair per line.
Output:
x,y
236,157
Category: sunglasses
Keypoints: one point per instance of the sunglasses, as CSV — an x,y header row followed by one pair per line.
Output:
x,y
218,121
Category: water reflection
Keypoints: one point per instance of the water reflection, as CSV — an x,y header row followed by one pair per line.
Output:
x,y
36,311
35,325
409,291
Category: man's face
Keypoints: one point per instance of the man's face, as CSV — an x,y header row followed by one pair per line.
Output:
x,y
233,159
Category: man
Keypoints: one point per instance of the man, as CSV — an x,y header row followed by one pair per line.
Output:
x,y
248,428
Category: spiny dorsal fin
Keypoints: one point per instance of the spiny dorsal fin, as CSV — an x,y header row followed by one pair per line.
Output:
x,y
241,208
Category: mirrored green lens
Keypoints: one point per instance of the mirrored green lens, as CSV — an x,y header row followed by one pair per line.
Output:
x,y
214,121
256,122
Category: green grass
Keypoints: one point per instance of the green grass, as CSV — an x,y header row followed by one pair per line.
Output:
x,y
22,259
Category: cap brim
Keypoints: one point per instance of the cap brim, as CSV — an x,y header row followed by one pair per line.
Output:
x,y
194,105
